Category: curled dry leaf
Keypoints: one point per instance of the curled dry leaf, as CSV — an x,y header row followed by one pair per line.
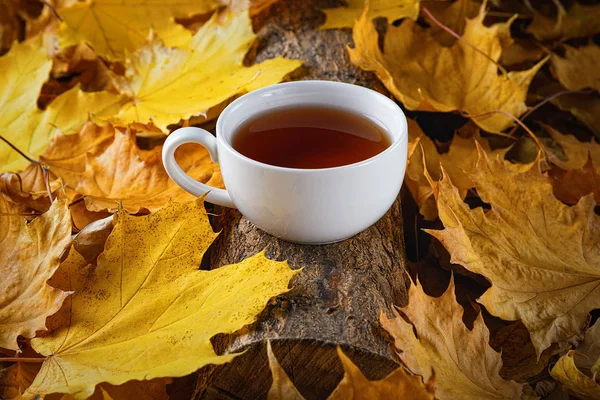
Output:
x,y
460,161
427,76
24,70
354,385
578,371
89,242
146,311
579,21
579,69
29,187
165,85
541,256
345,17
117,172
113,28
465,365
29,256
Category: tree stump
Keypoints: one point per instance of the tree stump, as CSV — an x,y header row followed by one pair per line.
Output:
x,y
338,297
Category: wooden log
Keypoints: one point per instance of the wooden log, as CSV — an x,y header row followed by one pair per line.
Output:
x,y
338,296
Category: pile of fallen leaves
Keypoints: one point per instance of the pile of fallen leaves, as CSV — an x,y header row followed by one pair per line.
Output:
x,y
100,291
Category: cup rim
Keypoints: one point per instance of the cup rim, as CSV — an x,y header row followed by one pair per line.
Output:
x,y
395,142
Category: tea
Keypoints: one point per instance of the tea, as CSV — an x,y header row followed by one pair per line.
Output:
x,y
310,137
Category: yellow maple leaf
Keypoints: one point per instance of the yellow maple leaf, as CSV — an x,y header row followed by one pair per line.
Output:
x,y
24,70
465,365
427,76
525,246
29,256
579,21
106,166
578,370
460,161
113,27
354,385
579,68
146,311
165,85
344,17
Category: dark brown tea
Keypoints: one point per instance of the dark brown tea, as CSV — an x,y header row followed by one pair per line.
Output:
x,y
310,137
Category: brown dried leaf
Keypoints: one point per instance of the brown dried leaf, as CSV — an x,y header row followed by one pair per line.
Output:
x,y
579,21
573,184
29,256
525,247
579,69
465,366
459,162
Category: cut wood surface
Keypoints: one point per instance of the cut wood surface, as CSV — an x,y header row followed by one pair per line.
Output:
x,y
338,296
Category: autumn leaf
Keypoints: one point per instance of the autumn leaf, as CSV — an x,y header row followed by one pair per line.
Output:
x,y
155,389
460,161
465,365
584,106
30,187
165,85
576,153
120,173
29,255
115,27
146,311
344,17
397,385
427,76
573,184
452,15
579,68
66,154
354,385
24,70
525,247
282,387
579,21
16,378
578,370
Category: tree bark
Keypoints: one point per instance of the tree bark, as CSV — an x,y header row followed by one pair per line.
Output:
x,y
338,297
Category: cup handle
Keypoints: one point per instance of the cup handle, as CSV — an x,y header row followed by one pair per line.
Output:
x,y
193,135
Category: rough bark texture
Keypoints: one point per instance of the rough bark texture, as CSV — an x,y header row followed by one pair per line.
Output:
x,y
338,297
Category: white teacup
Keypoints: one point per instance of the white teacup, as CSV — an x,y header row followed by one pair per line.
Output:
x,y
311,206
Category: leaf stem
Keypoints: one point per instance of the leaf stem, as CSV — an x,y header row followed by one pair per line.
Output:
x,y
51,7
23,359
460,38
518,121
19,151
546,100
